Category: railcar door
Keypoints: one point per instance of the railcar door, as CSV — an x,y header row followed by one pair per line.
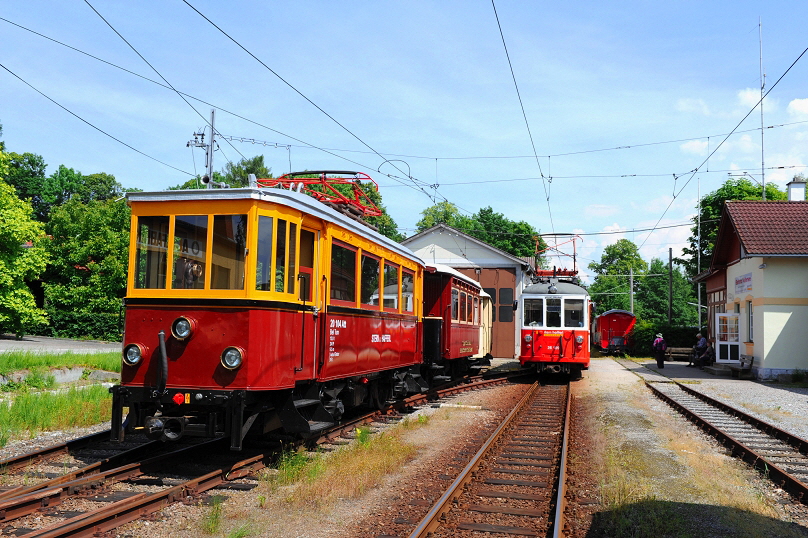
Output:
x,y
308,293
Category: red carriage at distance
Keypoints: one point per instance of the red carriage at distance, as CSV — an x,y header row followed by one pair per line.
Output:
x,y
612,331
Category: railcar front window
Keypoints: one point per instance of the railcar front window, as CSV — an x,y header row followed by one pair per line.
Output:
x,y
151,252
554,312
263,273
574,313
534,312
229,242
190,244
343,273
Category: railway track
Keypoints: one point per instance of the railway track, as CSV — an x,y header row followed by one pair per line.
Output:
x,y
779,455
143,477
514,485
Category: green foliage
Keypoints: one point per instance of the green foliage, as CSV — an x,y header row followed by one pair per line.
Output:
x,y
652,296
610,290
645,332
27,174
87,277
213,520
515,238
22,258
710,207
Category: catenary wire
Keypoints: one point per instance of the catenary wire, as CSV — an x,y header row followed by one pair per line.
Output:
x,y
524,115
90,124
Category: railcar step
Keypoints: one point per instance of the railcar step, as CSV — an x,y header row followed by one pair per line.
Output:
x,y
305,402
319,426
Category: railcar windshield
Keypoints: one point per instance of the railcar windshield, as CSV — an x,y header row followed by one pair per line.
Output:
x,y
554,312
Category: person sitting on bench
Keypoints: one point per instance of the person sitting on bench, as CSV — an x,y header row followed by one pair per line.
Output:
x,y
707,357
698,350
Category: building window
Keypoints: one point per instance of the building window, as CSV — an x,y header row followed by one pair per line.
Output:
x,y
750,314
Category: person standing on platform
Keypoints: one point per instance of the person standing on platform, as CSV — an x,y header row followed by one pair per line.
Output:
x,y
659,350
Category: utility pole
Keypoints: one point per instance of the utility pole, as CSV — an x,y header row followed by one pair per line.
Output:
x,y
670,286
199,142
698,250
631,288
762,85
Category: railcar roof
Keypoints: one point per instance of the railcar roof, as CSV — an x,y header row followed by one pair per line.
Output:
x,y
564,288
454,272
292,199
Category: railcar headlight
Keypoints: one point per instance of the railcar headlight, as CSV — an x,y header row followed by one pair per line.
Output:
x,y
528,338
183,328
132,354
232,358
579,339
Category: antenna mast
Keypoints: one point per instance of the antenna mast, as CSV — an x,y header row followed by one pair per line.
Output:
x,y
199,142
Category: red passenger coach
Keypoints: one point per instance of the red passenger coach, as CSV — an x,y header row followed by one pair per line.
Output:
x,y
555,334
452,321
265,310
612,331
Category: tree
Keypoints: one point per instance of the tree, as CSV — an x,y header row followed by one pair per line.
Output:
x,y
710,207
611,289
651,299
515,238
236,175
22,258
87,277
27,175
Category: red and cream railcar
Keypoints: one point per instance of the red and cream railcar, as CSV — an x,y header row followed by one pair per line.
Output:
x,y
555,324
259,309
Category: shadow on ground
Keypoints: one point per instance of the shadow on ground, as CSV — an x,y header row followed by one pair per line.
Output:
x,y
659,519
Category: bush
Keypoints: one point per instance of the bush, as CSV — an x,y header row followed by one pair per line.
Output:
x,y
94,325
645,332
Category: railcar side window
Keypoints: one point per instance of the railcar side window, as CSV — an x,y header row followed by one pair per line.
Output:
x,y
407,290
455,301
463,307
229,241
280,255
554,312
263,273
390,286
151,254
343,273
190,242
534,312
369,285
573,312
306,263
290,281
476,318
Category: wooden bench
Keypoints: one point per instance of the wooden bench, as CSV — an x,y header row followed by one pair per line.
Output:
x,y
679,353
744,369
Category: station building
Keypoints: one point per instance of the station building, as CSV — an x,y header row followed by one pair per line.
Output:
x,y
500,274
757,288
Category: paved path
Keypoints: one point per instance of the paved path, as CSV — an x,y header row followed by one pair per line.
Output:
x,y
43,344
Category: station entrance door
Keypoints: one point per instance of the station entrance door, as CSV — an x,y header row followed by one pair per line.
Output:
x,y
727,338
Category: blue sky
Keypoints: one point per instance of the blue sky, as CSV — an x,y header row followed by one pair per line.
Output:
x,y
427,83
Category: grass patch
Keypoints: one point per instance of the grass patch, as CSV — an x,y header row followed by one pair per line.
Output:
x,y
35,412
14,361
213,519
37,379
304,481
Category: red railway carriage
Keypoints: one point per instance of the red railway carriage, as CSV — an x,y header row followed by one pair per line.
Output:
x,y
452,322
612,331
260,310
555,335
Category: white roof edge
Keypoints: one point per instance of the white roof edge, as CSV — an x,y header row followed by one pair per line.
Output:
x,y
446,269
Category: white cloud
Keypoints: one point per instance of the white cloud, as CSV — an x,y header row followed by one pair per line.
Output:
x,y
749,98
798,108
695,147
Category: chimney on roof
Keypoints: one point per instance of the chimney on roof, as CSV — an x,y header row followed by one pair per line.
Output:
x,y
796,189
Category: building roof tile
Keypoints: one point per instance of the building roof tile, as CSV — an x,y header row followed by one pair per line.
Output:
x,y
772,228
